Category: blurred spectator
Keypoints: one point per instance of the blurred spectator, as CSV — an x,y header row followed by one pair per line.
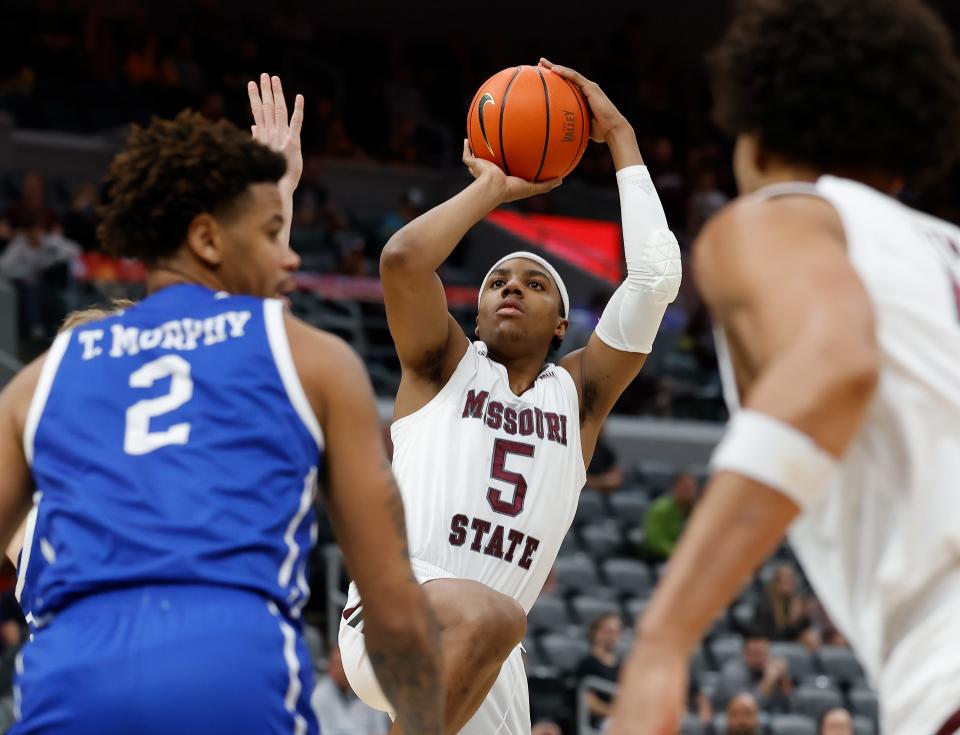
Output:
x,y
38,264
827,632
80,222
705,199
604,474
339,710
31,208
756,671
782,612
603,663
410,207
743,716
836,721
667,516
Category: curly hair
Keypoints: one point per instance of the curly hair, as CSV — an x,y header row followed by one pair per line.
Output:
x,y
171,171
843,85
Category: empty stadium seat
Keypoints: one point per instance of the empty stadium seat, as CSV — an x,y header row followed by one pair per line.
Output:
x,y
691,725
602,539
571,544
629,576
840,663
563,652
725,647
863,726
864,702
629,507
657,473
792,725
549,613
799,658
576,573
588,608
592,506
813,702
743,614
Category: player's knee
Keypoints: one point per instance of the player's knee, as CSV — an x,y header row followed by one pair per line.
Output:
x,y
501,622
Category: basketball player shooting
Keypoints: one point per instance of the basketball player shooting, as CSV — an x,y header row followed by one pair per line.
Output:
x,y
171,452
839,311
490,439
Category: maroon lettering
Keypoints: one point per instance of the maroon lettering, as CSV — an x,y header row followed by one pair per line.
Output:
x,y
528,550
495,545
481,527
563,430
526,422
515,537
494,414
473,408
498,471
458,529
539,415
510,421
553,427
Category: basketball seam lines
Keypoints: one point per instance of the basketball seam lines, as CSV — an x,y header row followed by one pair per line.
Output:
x,y
503,106
546,139
584,120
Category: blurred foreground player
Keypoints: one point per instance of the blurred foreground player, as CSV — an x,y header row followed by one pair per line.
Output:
x,y
491,440
173,452
840,347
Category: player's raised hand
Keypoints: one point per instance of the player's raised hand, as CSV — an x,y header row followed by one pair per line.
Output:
x,y
513,188
604,115
273,128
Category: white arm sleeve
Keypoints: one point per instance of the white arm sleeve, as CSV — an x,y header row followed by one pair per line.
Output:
x,y
632,316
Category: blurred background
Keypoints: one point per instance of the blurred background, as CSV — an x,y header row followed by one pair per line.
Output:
x,y
387,88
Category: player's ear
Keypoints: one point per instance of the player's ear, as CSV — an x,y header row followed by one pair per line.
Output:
x,y
476,329
205,239
561,329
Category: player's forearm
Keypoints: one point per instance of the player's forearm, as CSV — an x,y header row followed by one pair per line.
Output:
x,y
738,523
622,142
287,188
426,242
404,650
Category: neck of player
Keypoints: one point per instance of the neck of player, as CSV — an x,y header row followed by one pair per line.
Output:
x,y
522,370
176,270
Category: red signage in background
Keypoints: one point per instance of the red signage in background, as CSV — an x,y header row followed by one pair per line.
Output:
x,y
591,245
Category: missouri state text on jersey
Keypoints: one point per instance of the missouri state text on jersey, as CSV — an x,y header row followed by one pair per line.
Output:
x,y
489,538
178,334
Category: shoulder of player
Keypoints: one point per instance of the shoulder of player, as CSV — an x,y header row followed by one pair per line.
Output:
x,y
317,351
738,241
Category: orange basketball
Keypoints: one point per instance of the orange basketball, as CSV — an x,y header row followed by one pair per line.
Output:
x,y
529,121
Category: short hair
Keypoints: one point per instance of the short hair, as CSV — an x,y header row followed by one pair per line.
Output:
x,y
171,171
843,85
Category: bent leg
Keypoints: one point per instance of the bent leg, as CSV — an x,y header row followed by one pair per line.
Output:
x,y
479,628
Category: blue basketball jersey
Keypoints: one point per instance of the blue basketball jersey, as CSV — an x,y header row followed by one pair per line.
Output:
x,y
171,444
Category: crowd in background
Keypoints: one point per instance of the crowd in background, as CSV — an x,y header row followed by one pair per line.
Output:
x,y
93,67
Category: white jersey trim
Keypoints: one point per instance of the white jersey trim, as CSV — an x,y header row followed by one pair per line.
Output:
x,y
280,347
289,537
564,376
28,533
42,391
294,685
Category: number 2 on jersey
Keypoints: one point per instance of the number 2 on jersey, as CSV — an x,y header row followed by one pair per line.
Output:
x,y
137,438
498,471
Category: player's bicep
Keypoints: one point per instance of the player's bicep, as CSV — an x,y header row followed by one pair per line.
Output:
x,y
364,504
16,483
425,334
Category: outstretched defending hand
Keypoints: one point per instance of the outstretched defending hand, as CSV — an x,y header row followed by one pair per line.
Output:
x,y
605,118
272,128
511,187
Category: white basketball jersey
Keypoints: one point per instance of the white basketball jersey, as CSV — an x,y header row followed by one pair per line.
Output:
x,y
491,480
882,546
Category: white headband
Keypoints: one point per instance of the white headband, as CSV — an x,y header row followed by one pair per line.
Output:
x,y
540,261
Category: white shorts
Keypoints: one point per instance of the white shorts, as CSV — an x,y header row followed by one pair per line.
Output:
x,y
505,711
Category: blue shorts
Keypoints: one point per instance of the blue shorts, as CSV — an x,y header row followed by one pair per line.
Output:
x,y
159,660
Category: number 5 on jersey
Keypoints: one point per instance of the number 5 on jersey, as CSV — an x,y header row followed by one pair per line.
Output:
x,y
498,471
